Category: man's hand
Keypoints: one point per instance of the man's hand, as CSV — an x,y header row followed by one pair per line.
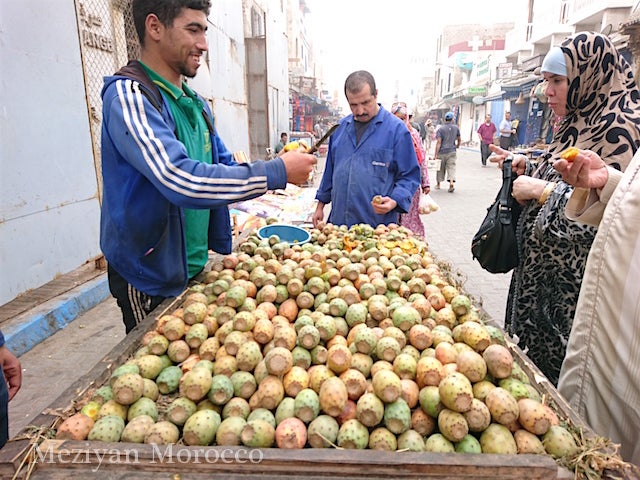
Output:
x,y
383,205
587,170
298,166
318,215
12,370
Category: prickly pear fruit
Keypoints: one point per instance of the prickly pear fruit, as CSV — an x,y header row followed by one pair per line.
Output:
x,y
369,410
168,380
452,425
258,434
387,385
502,405
136,429
558,442
333,396
497,438
397,416
127,388
162,433
382,439
322,432
103,394
410,441
353,435
149,366
438,443
76,427
91,409
107,429
121,370
195,384
201,427
179,410
469,444
111,407
306,405
229,431
456,392
499,360
143,406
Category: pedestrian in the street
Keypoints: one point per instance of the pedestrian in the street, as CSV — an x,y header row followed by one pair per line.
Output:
x,y
506,130
447,143
10,383
411,219
429,130
486,132
168,178
284,138
592,87
600,374
371,171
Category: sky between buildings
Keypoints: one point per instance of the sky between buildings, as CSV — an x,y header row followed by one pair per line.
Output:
x,y
393,39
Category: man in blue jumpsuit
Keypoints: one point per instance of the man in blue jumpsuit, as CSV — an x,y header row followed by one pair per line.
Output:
x,y
372,171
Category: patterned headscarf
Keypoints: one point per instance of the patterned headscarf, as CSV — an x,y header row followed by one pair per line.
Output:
x,y
603,101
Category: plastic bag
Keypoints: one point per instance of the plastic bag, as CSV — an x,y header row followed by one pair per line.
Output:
x,y
427,204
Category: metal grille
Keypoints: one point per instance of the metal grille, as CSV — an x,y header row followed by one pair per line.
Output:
x,y
107,41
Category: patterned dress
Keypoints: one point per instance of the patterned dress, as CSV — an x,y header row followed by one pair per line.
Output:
x,y
603,115
411,219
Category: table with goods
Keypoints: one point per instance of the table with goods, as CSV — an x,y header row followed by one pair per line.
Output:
x,y
347,353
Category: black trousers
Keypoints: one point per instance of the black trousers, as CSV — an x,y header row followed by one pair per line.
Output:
x,y
484,152
4,411
134,304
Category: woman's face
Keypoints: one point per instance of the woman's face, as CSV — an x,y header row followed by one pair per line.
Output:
x,y
556,92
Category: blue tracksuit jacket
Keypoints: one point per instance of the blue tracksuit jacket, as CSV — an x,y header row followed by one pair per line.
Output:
x,y
148,179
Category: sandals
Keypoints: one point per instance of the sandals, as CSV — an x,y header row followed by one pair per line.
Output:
x,y
451,189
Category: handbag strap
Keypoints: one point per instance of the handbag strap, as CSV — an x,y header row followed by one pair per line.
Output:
x,y
505,200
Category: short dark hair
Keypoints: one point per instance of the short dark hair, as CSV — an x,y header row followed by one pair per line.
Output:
x,y
284,134
356,80
165,10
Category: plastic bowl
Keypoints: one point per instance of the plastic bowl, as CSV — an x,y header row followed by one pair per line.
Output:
x,y
287,233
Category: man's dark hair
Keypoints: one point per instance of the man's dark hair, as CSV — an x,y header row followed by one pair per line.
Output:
x,y
359,79
165,10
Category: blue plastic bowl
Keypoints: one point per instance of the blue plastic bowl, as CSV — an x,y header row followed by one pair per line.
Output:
x,y
287,233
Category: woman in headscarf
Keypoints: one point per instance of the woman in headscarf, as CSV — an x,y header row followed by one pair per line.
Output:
x,y
411,219
591,86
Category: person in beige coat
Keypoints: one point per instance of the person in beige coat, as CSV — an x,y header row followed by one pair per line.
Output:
x,y
600,375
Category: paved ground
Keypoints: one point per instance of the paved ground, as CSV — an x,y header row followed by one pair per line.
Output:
x,y
55,363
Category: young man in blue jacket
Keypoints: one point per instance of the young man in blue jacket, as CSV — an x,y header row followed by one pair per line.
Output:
x,y
168,177
371,170
10,382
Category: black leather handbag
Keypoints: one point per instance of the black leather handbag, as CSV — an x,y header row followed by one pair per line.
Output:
x,y
494,245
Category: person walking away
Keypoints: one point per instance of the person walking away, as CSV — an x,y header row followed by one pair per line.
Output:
x,y
429,129
371,171
10,383
168,177
600,373
284,138
411,219
592,86
506,131
486,133
447,143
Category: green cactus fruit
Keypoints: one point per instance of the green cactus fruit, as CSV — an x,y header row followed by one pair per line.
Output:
x,y
383,439
201,427
179,410
353,435
257,433
230,430
136,429
143,406
397,416
195,384
168,380
306,405
322,432
107,429
411,441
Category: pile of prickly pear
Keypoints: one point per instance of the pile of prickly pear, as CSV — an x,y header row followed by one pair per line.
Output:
x,y
357,339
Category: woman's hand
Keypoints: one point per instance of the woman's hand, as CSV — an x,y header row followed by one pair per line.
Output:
x,y
587,170
518,165
527,188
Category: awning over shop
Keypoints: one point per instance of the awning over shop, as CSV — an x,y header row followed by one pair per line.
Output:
x,y
494,96
442,105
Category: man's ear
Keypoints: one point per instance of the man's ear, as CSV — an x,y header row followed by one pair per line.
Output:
x,y
153,27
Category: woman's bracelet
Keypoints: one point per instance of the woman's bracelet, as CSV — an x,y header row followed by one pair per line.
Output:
x,y
546,192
